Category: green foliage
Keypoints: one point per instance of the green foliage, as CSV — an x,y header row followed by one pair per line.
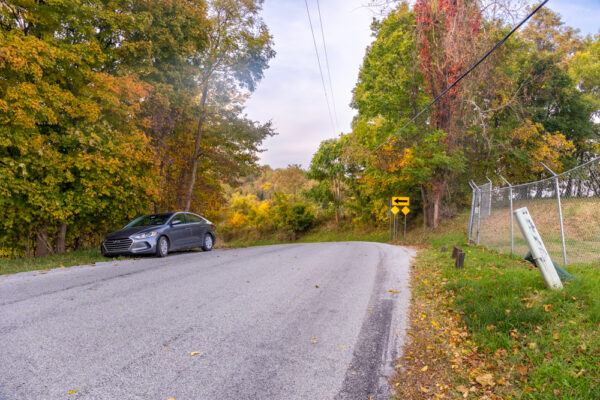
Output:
x,y
533,101
100,106
328,168
292,215
71,148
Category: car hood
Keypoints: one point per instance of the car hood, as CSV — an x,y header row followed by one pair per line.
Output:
x,y
126,232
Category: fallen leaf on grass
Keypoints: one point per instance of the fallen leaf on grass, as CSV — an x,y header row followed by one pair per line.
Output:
x,y
425,368
424,390
547,307
485,380
72,392
463,390
194,353
500,353
521,369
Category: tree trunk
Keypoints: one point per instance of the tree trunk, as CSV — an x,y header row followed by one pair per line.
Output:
x,y
196,155
28,246
61,239
42,247
432,200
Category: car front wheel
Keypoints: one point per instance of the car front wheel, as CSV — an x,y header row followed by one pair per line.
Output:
x,y
162,247
208,242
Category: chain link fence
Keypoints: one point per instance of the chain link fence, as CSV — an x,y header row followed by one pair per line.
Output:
x,y
565,209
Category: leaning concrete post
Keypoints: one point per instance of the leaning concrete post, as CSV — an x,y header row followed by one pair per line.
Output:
x,y
537,248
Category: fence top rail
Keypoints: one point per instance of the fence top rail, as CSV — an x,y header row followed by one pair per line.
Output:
x,y
558,176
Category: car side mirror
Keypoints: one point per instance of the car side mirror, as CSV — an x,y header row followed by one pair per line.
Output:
x,y
176,222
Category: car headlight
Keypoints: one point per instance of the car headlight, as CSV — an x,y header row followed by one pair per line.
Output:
x,y
144,235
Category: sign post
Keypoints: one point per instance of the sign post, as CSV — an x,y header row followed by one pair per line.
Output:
x,y
396,203
405,211
391,216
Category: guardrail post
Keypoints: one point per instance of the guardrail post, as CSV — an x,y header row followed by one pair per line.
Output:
x,y
512,232
560,216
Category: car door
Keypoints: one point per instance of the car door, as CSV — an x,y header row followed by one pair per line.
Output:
x,y
180,232
198,228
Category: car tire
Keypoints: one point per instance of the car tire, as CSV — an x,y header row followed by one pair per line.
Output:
x,y
208,242
162,246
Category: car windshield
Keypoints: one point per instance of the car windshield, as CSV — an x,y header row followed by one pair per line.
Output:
x,y
149,220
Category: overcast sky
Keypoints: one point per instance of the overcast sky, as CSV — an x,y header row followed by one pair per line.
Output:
x,y
291,94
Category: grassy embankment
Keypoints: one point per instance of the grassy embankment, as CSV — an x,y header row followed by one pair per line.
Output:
x,y
493,331
69,259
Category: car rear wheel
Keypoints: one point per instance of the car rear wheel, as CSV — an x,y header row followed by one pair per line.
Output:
x,y
208,242
162,247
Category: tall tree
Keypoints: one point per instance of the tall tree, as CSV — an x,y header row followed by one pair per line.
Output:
x,y
447,32
328,168
239,47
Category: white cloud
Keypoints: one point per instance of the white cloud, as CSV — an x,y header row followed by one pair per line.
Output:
x,y
291,94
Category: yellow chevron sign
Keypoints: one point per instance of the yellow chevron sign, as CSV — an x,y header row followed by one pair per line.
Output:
x,y
400,201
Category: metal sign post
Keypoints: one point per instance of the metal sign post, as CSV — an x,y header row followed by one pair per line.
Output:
x,y
391,216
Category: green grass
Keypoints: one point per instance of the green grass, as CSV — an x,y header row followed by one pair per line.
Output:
x,y
505,305
77,257
319,234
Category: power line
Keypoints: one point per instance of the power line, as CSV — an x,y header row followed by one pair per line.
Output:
x,y
320,69
337,124
459,78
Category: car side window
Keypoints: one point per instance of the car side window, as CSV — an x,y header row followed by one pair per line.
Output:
x,y
179,217
193,218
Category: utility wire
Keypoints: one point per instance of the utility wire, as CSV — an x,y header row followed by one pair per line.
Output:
x,y
460,77
337,124
320,69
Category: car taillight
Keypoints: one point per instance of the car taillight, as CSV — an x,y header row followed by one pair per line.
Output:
x,y
213,225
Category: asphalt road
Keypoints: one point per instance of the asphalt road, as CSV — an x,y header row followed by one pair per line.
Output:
x,y
304,321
